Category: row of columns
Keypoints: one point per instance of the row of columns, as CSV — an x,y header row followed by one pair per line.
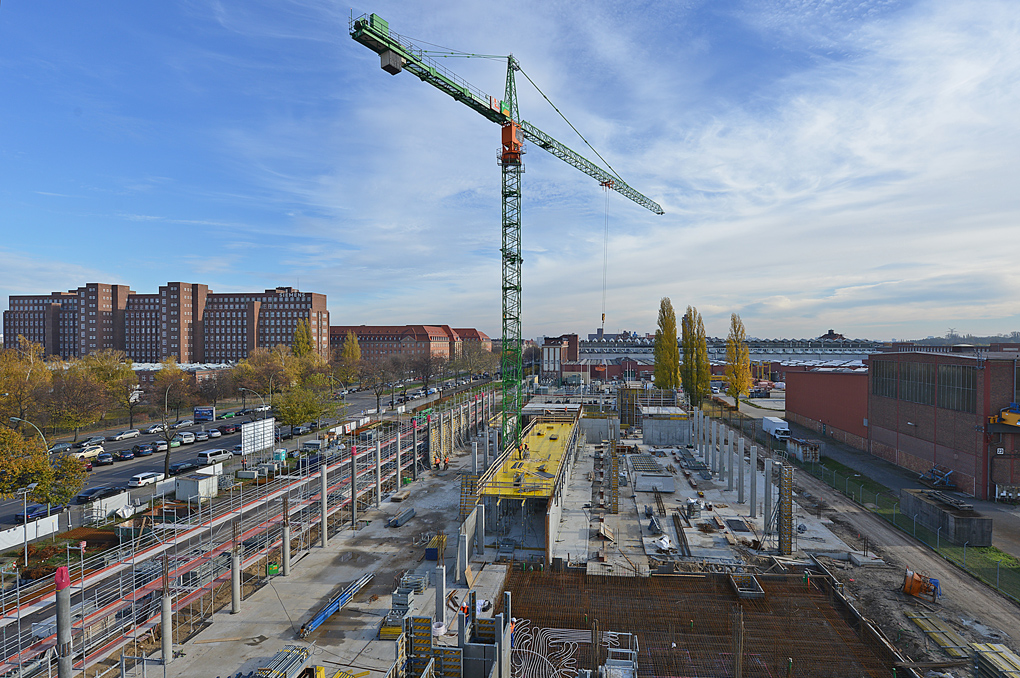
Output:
x,y
722,449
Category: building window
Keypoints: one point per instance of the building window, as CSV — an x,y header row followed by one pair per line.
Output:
x,y
883,380
917,382
958,388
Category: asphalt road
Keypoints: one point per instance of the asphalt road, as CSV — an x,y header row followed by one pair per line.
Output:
x,y
120,472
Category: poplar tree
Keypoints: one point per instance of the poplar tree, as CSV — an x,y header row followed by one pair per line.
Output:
x,y
348,362
666,350
738,361
302,344
695,370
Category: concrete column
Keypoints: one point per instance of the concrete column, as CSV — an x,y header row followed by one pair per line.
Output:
x,y
474,458
414,451
378,473
753,476
462,557
730,444
740,470
711,447
64,654
441,592
166,630
400,465
235,581
286,555
767,512
480,530
323,507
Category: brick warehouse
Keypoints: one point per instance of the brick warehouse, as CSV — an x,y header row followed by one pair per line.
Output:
x,y
919,407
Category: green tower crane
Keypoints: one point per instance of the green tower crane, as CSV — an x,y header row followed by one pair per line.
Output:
x,y
396,54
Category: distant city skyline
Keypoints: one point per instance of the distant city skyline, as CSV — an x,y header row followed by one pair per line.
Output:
x,y
847,165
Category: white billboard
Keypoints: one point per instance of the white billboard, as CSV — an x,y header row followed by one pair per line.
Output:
x,y
258,436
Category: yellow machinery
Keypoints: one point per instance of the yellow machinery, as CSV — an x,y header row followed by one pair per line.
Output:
x,y
1007,415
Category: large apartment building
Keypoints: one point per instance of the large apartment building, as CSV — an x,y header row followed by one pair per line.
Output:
x,y
184,320
384,341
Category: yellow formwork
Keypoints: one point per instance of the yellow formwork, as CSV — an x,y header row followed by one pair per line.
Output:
x,y
535,474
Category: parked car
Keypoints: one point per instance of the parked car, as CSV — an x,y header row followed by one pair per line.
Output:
x,y
187,437
123,455
201,436
60,447
179,467
125,435
94,440
238,449
36,511
155,428
227,429
143,449
105,459
90,452
175,441
146,478
185,423
301,430
226,415
283,435
214,433
88,464
95,494
160,445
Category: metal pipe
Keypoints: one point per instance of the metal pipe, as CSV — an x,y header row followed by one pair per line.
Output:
x,y
323,500
378,473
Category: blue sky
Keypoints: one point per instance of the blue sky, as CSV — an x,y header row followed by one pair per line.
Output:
x,y
846,165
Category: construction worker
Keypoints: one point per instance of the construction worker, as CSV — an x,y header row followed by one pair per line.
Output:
x,y
437,462
446,463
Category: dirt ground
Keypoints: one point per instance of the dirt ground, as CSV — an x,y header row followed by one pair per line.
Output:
x,y
974,610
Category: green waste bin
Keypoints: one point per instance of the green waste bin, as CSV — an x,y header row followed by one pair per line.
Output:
x,y
272,569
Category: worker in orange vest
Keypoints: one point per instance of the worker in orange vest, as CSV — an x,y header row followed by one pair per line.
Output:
x,y
446,463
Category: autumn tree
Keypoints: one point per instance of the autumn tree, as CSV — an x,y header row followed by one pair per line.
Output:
x,y
77,398
696,375
113,370
25,380
347,360
427,367
25,460
666,350
738,361
302,344
298,405
215,387
171,389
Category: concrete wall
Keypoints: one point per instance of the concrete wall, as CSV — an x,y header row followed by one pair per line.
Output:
x,y
597,429
956,526
665,431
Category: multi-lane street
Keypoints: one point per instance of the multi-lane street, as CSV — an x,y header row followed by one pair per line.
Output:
x,y
120,472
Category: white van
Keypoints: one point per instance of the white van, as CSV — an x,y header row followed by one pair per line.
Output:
x,y
207,457
147,478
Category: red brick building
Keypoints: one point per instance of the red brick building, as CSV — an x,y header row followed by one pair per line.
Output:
x,y
384,341
184,320
833,402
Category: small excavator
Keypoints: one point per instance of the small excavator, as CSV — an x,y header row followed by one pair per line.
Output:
x,y
1007,415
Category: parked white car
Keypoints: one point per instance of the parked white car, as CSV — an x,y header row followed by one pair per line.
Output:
x,y
147,478
125,435
182,424
155,428
187,437
89,452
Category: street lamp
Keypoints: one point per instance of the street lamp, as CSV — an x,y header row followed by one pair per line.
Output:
x,y
45,444
24,491
242,388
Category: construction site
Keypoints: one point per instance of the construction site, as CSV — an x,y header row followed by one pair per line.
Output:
x,y
500,535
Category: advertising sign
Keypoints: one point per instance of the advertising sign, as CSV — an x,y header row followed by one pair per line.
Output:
x,y
204,414
257,436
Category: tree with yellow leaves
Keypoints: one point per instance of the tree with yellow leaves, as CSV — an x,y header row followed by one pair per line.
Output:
x,y
738,361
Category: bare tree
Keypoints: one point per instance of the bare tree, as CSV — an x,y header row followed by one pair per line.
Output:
x,y
427,368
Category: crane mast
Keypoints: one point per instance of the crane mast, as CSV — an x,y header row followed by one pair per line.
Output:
x,y
396,54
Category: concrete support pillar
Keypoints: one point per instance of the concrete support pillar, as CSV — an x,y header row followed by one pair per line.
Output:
x,y
64,653
323,507
753,476
740,470
378,473
767,512
462,557
730,444
441,592
166,628
711,447
414,451
286,550
400,463
474,458
354,487
235,581
480,530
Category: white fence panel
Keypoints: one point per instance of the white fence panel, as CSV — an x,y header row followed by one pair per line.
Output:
x,y
37,528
